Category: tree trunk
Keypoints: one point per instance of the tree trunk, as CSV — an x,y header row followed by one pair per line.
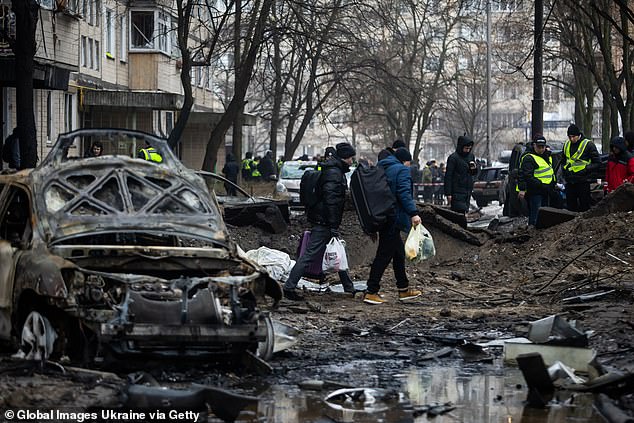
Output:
x,y
184,16
605,125
278,89
26,15
217,135
181,122
236,139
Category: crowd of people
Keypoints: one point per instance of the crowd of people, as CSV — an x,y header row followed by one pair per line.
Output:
x,y
538,182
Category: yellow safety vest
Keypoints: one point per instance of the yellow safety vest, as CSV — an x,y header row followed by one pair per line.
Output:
x,y
246,164
544,172
254,170
574,163
152,155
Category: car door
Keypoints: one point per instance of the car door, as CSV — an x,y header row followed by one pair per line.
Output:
x,y
15,234
6,275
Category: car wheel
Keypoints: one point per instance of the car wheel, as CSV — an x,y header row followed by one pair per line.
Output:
x,y
265,348
37,337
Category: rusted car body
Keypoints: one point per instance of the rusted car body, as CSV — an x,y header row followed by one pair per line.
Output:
x,y
117,254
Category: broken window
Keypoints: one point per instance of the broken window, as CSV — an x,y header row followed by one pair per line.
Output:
x,y
150,29
142,23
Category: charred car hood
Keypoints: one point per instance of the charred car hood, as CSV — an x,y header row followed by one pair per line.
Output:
x,y
123,195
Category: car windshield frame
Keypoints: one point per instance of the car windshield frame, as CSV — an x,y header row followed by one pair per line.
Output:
x,y
77,196
298,169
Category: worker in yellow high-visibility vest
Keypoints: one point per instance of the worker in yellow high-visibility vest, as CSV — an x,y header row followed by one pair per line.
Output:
x,y
580,158
536,178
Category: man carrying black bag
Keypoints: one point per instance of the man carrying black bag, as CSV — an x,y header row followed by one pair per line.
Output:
x,y
325,216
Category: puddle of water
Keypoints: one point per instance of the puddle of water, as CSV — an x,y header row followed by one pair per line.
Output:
x,y
478,398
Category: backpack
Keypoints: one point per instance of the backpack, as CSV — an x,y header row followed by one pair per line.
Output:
x,y
309,189
372,197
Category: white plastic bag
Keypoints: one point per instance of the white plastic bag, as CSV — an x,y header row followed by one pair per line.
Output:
x,y
419,245
335,259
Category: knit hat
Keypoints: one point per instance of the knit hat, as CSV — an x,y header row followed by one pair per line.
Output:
x,y
573,130
540,140
403,155
619,143
345,150
398,143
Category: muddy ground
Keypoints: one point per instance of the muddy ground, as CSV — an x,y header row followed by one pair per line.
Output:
x,y
473,292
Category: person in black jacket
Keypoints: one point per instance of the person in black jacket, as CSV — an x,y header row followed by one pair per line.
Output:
x,y
231,169
267,167
11,150
536,178
325,216
580,159
461,168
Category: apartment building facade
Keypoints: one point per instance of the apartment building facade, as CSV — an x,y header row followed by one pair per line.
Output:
x,y
109,63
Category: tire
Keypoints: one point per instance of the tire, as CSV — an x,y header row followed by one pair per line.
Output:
x,y
37,337
265,348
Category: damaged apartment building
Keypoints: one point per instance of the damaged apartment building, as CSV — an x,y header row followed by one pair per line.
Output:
x,y
111,63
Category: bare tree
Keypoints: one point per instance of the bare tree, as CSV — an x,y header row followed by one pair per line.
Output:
x,y
593,33
305,64
252,36
200,28
410,55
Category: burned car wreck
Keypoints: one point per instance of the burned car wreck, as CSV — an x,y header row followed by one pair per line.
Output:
x,y
117,255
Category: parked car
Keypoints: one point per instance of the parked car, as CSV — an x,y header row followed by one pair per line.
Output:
x,y
242,209
118,256
489,186
290,178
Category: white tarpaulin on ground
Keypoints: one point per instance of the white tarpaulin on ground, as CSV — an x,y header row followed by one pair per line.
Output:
x,y
276,262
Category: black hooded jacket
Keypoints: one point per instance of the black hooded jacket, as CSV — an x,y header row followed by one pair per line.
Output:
x,y
267,167
458,179
231,168
329,210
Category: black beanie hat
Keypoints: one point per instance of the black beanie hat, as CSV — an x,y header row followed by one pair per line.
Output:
x,y
403,155
398,143
573,130
345,150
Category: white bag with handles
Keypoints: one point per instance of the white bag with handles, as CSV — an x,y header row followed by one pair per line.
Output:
x,y
335,259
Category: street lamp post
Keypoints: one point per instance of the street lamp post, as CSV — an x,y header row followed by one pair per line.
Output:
x,y
537,115
488,76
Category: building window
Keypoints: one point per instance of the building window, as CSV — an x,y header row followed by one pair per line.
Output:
x,y
91,55
200,76
83,52
90,10
68,112
142,30
163,32
150,29
169,122
109,33
49,116
551,93
123,39
97,55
